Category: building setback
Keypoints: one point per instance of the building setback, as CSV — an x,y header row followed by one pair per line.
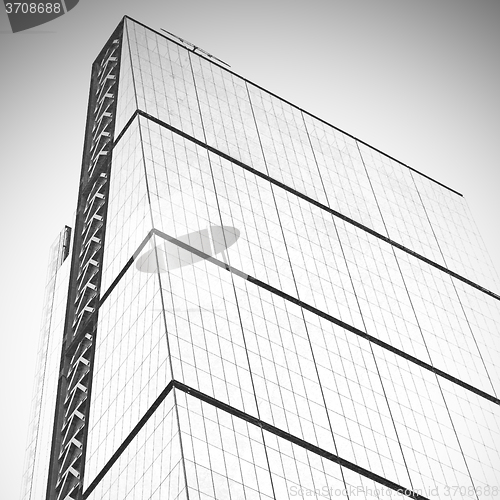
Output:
x,y
259,304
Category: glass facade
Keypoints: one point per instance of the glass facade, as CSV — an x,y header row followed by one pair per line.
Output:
x,y
35,477
283,311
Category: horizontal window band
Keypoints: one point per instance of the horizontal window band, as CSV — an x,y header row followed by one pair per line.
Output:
x,y
300,303
293,191
174,384
193,51
376,341
296,440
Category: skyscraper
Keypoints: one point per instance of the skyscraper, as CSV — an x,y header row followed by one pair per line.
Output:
x,y
261,305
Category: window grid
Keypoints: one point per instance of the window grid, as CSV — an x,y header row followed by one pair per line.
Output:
x,y
252,349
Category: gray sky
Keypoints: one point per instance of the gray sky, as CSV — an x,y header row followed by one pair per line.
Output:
x,y
417,79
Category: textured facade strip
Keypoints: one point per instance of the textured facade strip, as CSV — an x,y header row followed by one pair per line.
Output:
x,y
68,446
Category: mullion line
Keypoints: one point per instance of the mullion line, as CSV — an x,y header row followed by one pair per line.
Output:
x,y
292,272
228,258
455,289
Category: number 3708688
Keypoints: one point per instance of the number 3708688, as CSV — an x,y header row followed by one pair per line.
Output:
x,y
33,8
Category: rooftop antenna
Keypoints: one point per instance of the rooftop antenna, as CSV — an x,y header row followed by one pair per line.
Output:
x,y
195,48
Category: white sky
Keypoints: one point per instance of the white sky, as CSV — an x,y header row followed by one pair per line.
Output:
x,y
417,79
